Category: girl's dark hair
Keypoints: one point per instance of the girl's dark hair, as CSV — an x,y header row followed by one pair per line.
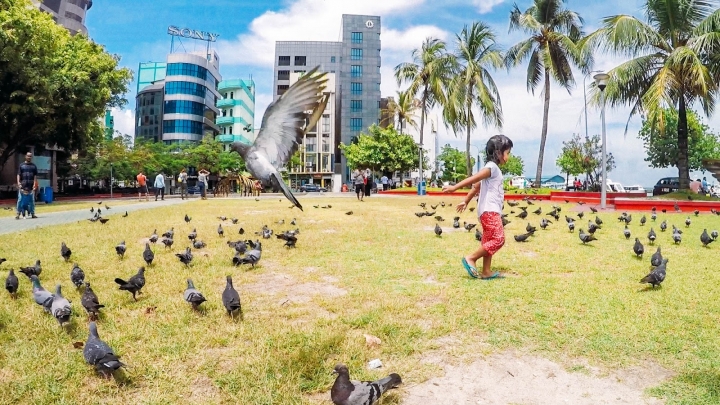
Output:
x,y
496,146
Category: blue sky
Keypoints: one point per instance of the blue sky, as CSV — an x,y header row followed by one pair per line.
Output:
x,y
136,30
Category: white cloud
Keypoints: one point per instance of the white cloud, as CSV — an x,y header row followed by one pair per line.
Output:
x,y
303,20
412,38
124,121
486,6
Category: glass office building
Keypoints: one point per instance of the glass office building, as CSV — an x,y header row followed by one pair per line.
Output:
x,y
237,111
68,13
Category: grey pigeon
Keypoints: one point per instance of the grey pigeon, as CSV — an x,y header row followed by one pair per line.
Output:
x,y
220,231
438,230
543,223
626,232
478,235
231,299
90,302
687,222
168,242
663,226
571,226
65,252
628,219
186,257
638,248
705,238
192,235
60,307
2,260
41,296
348,392
77,275
98,354
120,249
714,234
253,256
32,270
222,218
154,237
657,275
289,238
12,283
134,284
187,218
592,227
530,229
198,244
656,258
456,222
239,246
523,237
282,131
643,220
652,236
169,234
585,238
653,216
192,295
677,237
676,230
581,214
148,255
235,221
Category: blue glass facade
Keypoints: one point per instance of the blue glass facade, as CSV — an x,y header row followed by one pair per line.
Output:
x,y
192,89
182,126
188,69
184,107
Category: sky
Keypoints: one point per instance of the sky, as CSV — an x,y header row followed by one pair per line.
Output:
x,y
136,30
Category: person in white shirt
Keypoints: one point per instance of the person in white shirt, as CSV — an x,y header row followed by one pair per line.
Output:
x,y
159,186
489,182
384,181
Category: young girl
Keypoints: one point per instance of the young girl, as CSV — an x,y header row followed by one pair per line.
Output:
x,y
489,182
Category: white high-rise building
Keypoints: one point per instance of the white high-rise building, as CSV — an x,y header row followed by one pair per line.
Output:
x,y
68,13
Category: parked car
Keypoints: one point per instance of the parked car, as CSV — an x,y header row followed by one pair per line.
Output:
x,y
666,185
312,187
193,190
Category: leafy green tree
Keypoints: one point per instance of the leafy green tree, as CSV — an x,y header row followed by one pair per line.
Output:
x,y
675,63
54,87
584,155
382,149
452,164
472,87
514,166
551,50
569,160
662,148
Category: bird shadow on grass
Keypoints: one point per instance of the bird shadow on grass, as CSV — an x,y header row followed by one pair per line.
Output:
x,y
650,289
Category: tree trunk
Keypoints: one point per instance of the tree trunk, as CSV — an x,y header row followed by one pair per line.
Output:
x,y
682,163
467,140
543,136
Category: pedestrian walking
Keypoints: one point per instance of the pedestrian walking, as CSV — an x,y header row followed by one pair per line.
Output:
x,y
202,182
142,186
26,182
159,186
359,182
182,181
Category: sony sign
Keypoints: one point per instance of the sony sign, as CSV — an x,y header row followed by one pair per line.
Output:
x,y
194,34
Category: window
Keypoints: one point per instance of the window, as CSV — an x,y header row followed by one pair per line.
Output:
x,y
332,59
192,89
283,75
283,61
326,123
355,124
355,71
187,69
183,127
355,88
355,54
53,5
230,129
302,72
300,61
281,89
79,3
356,37
232,95
231,112
356,105
73,16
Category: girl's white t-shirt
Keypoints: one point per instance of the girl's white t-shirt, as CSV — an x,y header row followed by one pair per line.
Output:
x,y
491,194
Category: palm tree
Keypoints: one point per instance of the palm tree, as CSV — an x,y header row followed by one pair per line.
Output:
x,y
472,85
552,50
401,111
676,62
428,74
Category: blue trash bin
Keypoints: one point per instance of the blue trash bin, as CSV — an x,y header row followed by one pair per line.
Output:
x,y
48,195
421,188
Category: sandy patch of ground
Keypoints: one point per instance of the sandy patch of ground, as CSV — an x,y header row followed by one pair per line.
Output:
x,y
511,378
292,291
204,391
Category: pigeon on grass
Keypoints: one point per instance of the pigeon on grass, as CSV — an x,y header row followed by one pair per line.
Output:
x,y
60,307
192,295
657,275
99,355
77,276
41,296
12,283
348,392
90,302
134,284
231,299
148,254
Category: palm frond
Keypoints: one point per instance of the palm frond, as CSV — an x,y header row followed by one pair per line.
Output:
x,y
626,35
534,71
524,22
519,52
555,61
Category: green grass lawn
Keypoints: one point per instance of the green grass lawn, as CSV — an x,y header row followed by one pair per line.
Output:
x,y
380,271
55,206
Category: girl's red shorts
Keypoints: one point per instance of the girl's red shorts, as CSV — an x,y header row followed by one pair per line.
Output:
x,y
493,237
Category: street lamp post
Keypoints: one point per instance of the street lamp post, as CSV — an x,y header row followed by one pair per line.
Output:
x,y
421,176
601,82
585,98
111,180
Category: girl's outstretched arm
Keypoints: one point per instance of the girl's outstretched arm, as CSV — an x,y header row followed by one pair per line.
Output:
x,y
483,174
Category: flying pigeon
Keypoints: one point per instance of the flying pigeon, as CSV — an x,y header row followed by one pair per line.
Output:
x,y
192,295
231,299
90,302
657,275
705,238
198,244
186,257
98,354
192,235
60,307
148,254
12,283
652,236
638,248
154,237
32,270
585,238
581,214
656,258
348,392
593,209
438,230
120,249
626,232
41,296
77,276
134,284
282,131
65,252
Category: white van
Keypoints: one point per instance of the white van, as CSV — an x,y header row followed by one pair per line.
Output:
x,y
518,182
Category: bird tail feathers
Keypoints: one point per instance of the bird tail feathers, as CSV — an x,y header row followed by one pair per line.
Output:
x,y
278,183
391,381
120,281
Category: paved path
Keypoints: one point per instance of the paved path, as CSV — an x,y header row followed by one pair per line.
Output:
x,y
10,224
